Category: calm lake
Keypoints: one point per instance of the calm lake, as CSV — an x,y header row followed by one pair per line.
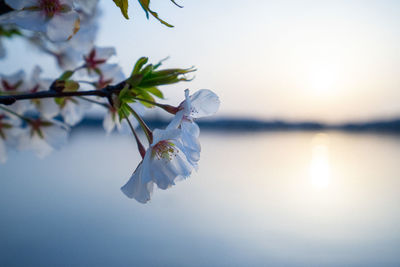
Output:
x,y
258,199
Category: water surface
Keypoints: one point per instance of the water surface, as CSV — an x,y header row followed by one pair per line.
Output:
x,y
258,199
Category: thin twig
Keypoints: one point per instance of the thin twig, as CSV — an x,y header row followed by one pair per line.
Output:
x,y
144,126
168,108
142,151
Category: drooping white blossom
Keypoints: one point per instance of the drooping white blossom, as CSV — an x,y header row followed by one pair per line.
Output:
x,y
163,164
201,104
56,18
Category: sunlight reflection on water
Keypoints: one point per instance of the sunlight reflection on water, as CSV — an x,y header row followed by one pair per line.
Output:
x,y
281,198
320,173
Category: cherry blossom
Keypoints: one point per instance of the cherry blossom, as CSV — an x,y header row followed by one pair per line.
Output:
x,y
70,54
56,18
109,74
201,104
97,57
42,136
14,84
164,163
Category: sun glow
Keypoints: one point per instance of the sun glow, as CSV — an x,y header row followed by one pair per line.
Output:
x,y
324,78
320,171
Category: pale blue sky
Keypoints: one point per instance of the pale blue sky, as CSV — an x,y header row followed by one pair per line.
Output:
x,y
325,60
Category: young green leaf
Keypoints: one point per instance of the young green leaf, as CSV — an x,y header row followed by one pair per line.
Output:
x,y
154,91
139,64
123,5
146,7
66,75
71,86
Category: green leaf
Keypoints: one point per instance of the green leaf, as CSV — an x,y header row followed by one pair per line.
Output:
x,y
66,75
60,85
162,80
147,71
160,63
60,101
124,111
176,4
146,7
123,5
155,91
71,86
125,96
9,32
139,64
135,80
146,96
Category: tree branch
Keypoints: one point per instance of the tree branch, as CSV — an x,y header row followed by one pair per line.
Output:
x,y
105,92
4,8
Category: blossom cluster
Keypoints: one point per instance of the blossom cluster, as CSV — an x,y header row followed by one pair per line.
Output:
x,y
175,151
37,113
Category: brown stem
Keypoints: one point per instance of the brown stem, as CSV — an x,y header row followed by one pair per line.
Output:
x,y
105,92
141,148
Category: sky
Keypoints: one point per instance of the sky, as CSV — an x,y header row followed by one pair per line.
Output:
x,y
332,61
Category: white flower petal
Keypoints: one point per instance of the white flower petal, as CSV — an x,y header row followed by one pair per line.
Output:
x,y
35,143
2,50
104,52
204,103
62,26
14,78
19,4
66,2
161,173
55,135
176,121
112,72
73,112
87,6
160,135
191,148
108,122
30,20
3,152
137,188
190,128
35,76
48,108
